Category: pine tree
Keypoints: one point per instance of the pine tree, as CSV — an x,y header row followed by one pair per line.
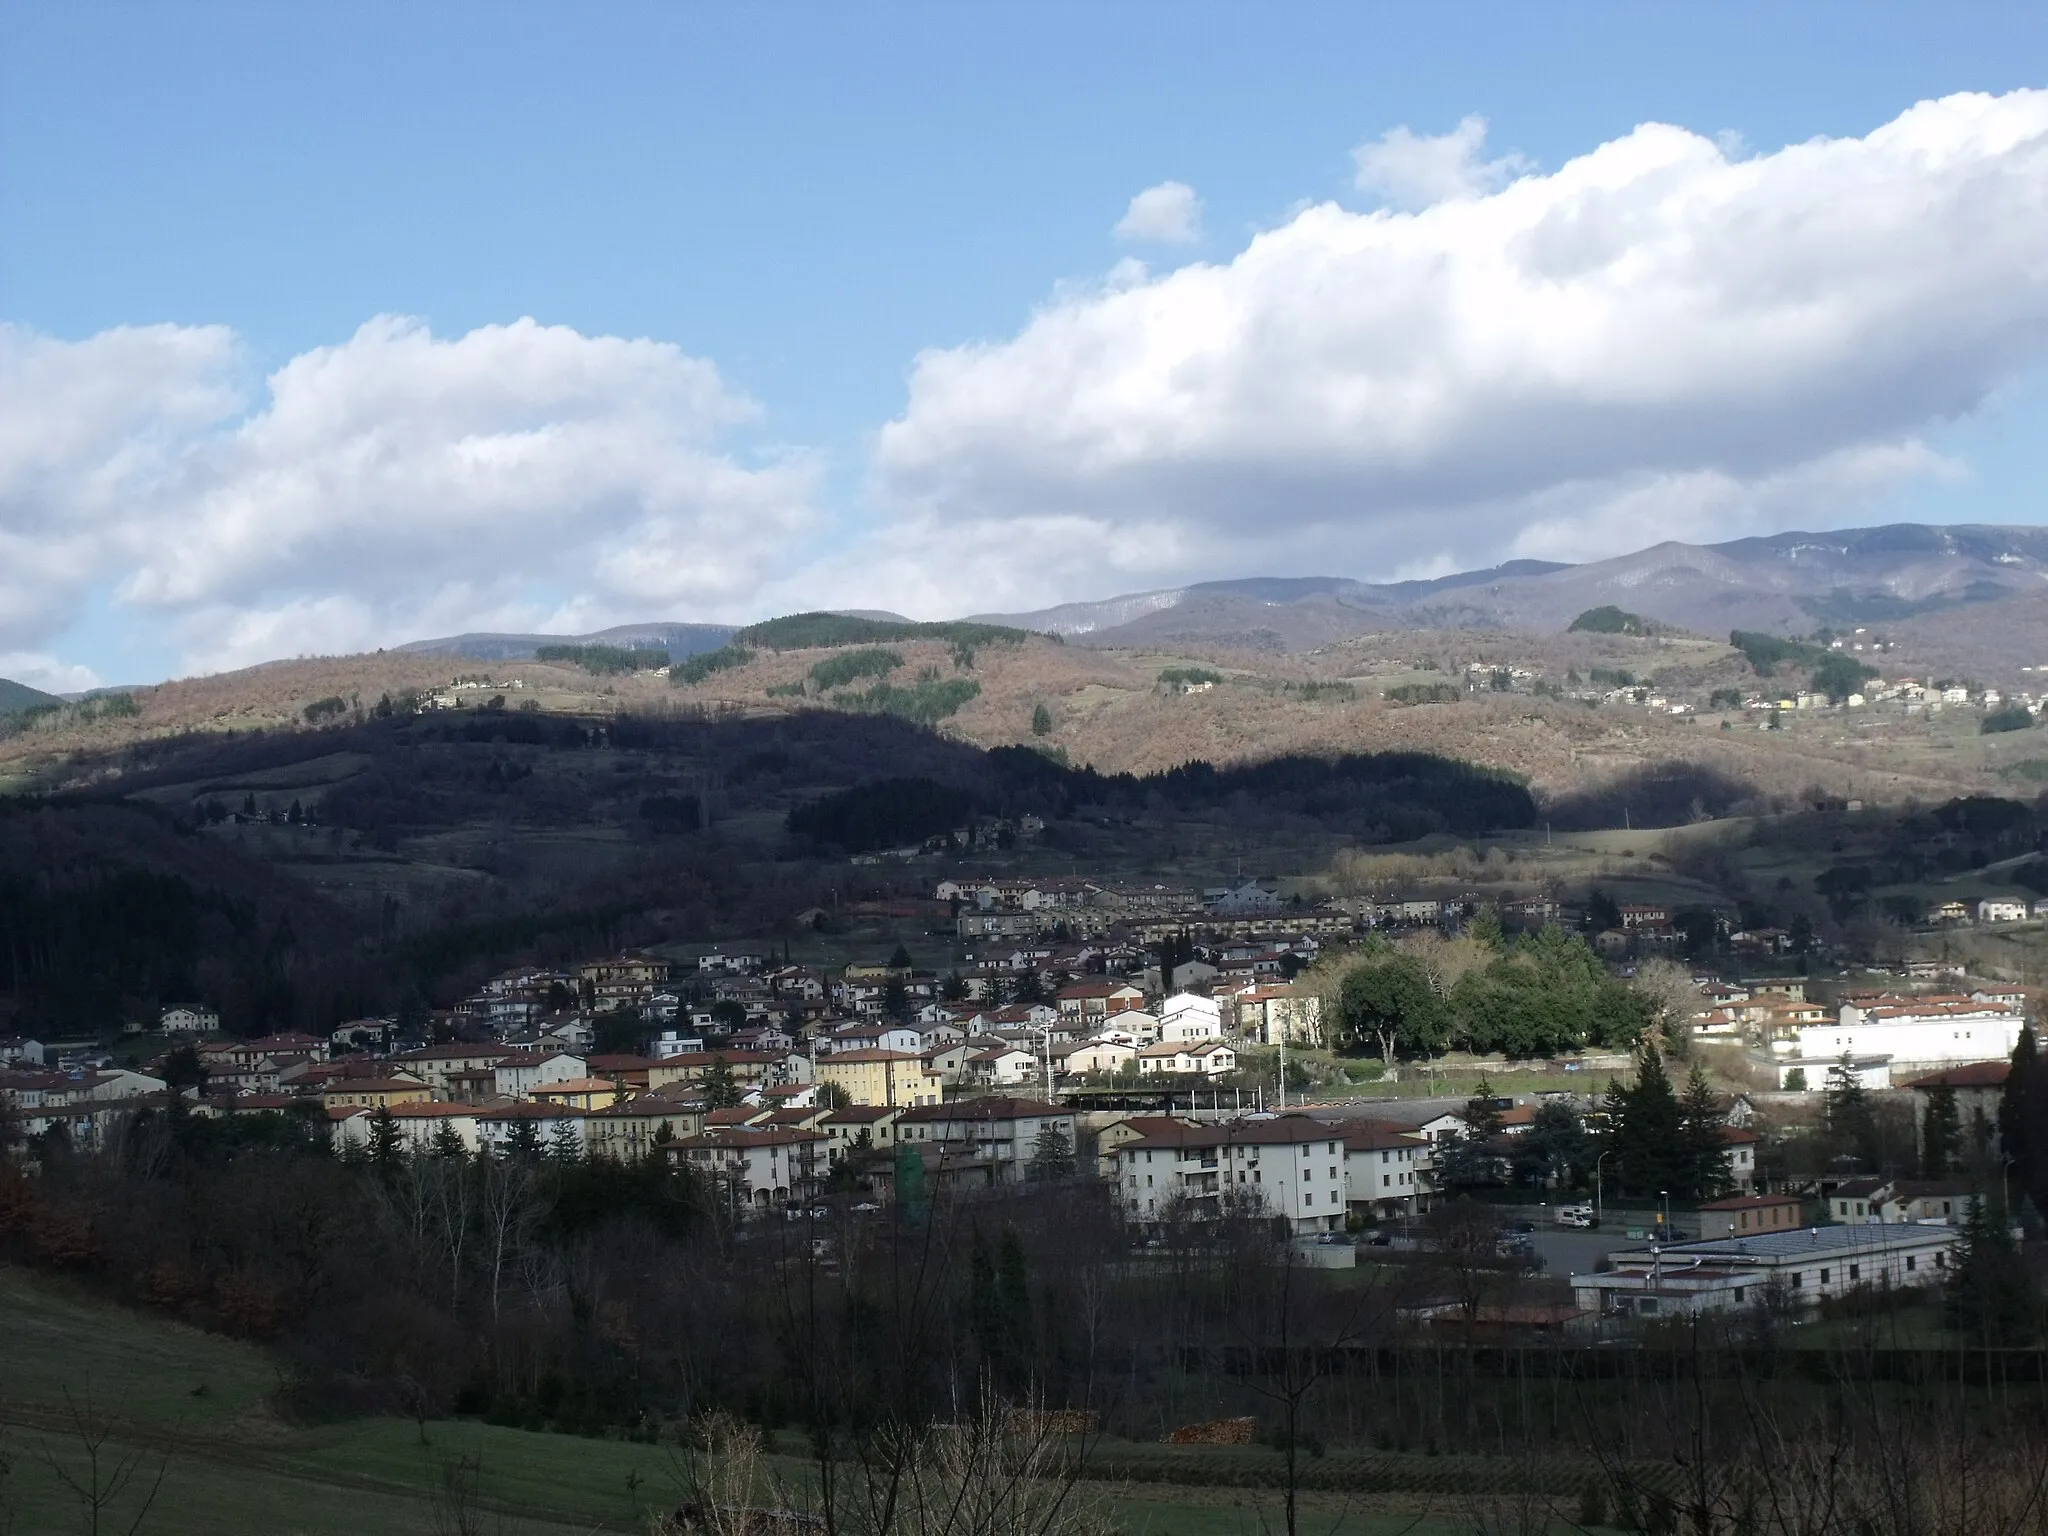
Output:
x,y
1990,1295
1052,1154
523,1145
1651,1141
1852,1125
2023,1118
1941,1132
1707,1164
564,1145
448,1142
721,1089
384,1149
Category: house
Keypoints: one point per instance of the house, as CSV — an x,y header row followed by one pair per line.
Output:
x,y
1386,1169
1286,1166
435,1065
753,1170
419,1124
872,1035
1912,1202
374,1092
1741,1147
1205,1057
1004,1066
857,1128
521,1073
749,1069
1979,1088
1098,999
1246,898
1190,1016
502,1130
1742,1215
585,1093
624,981
188,1021
18,1050
898,1078
1103,1056
1267,1015
991,1139
2001,909
1801,1266
1120,1130
630,1128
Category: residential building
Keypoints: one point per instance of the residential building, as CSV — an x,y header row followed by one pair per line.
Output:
x,y
896,1078
374,1092
1101,1056
499,1130
436,1065
1287,1166
858,1127
1267,1015
630,1128
997,1135
1089,1000
753,1170
188,1021
1934,1031
1979,1087
1386,1169
1209,1058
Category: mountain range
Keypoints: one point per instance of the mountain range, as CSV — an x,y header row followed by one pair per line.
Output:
x,y
1788,583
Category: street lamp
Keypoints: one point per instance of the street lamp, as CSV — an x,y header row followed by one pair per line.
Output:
x,y
1664,1212
1598,1185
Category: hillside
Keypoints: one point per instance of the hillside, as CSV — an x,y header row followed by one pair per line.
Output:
x,y
15,697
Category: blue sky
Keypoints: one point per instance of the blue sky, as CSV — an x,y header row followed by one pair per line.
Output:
x,y
807,197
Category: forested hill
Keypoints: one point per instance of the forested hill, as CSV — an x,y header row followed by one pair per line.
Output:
x,y
15,697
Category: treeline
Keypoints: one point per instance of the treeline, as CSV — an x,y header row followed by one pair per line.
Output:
x,y
819,631
1829,671
1384,797
604,660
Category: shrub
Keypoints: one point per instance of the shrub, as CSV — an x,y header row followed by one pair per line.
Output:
x,y
2010,717
851,666
694,669
1189,677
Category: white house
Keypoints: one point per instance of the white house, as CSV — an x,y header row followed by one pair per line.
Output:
x,y
1287,1166
754,1169
517,1075
1386,1169
1997,909
1207,1057
497,1130
1005,1066
1190,1016
188,1021
1101,1055
996,1134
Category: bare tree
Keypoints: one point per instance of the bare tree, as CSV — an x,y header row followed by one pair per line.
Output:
x,y
104,1474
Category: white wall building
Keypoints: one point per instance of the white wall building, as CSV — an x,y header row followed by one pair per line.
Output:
x,y
1190,1016
1727,1274
1933,1032
1280,1165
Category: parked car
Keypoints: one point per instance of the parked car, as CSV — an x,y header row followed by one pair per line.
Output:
x,y
1576,1216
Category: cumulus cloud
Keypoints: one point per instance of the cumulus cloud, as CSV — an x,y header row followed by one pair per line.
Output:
x,y
1656,340
389,486
1169,214
1411,170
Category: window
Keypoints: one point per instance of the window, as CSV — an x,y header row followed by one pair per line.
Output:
x,y
1309,1198
1797,1279
1386,1181
1855,1271
1911,1263
1823,1277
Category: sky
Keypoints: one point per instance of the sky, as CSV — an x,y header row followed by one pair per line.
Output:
x,y
324,327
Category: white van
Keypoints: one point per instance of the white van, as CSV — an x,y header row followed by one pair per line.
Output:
x,y
1576,1216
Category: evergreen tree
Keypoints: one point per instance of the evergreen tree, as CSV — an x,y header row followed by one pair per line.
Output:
x,y
1041,721
1649,1142
984,1305
721,1090
1707,1163
1941,1133
1485,928
384,1148
1553,1151
1052,1154
2023,1118
1990,1296
448,1142
564,1145
1013,1284
523,1145
1852,1124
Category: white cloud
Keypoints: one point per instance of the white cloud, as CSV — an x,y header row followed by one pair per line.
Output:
x,y
1169,213
393,485
38,669
1654,341
1413,170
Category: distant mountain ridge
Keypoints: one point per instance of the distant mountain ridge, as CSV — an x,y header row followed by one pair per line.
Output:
x,y
676,639
1784,583
15,697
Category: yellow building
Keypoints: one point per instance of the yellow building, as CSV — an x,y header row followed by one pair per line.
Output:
x,y
898,1078
578,1093
374,1092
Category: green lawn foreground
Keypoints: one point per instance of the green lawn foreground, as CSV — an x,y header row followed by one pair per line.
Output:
x,y
198,1404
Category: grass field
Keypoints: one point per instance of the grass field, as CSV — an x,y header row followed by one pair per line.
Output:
x,y
198,1406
